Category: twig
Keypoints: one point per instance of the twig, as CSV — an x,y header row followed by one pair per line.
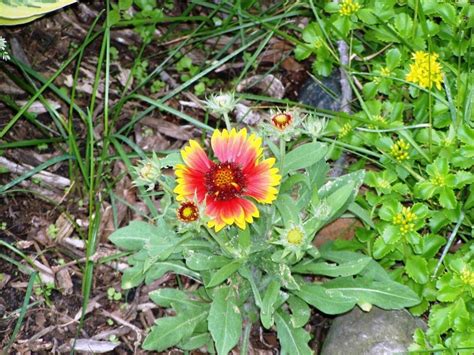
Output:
x,y
450,241
47,177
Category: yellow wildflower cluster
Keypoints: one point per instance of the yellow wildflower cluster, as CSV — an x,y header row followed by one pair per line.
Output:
x,y
438,180
385,71
345,130
383,184
377,119
426,70
295,236
405,220
400,150
348,7
467,277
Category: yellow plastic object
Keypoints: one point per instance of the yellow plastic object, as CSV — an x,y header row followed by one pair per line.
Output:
x,y
15,12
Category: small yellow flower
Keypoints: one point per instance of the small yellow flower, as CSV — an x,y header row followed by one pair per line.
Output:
x,y
426,70
399,150
377,119
383,184
385,71
438,180
467,277
295,236
348,7
345,130
405,220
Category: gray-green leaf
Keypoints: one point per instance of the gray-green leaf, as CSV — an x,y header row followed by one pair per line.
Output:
x,y
293,341
225,320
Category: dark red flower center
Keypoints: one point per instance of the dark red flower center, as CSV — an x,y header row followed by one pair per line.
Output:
x,y
188,212
225,181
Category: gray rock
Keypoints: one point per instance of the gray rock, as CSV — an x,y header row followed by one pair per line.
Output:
x,y
325,94
377,332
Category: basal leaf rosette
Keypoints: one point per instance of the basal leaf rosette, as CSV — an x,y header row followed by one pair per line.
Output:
x,y
227,185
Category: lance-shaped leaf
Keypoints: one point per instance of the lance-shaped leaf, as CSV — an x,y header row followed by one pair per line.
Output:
x,y
225,320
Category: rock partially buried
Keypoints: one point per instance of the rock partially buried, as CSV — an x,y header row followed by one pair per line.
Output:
x,y
377,332
324,94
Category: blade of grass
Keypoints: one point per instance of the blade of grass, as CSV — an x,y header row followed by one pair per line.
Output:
x,y
24,307
30,143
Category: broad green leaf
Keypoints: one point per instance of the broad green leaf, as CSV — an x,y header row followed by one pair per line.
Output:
x,y
342,25
171,160
302,52
447,13
195,341
355,178
200,261
449,288
223,273
366,16
133,276
300,311
164,297
373,270
304,156
125,4
293,340
27,9
431,245
339,199
393,58
322,268
14,22
447,199
158,269
268,304
317,296
134,236
391,234
417,268
311,33
439,320
460,316
225,320
169,331
177,299
386,294
381,249
288,210
287,279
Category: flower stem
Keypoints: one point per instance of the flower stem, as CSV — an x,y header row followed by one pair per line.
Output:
x,y
223,241
282,153
227,121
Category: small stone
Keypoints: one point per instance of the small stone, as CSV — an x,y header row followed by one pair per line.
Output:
x,y
377,332
324,94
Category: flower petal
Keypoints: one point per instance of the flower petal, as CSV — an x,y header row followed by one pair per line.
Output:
x,y
236,147
261,179
237,210
195,157
190,183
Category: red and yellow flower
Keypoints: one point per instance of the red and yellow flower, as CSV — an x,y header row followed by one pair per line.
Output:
x,y
225,185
